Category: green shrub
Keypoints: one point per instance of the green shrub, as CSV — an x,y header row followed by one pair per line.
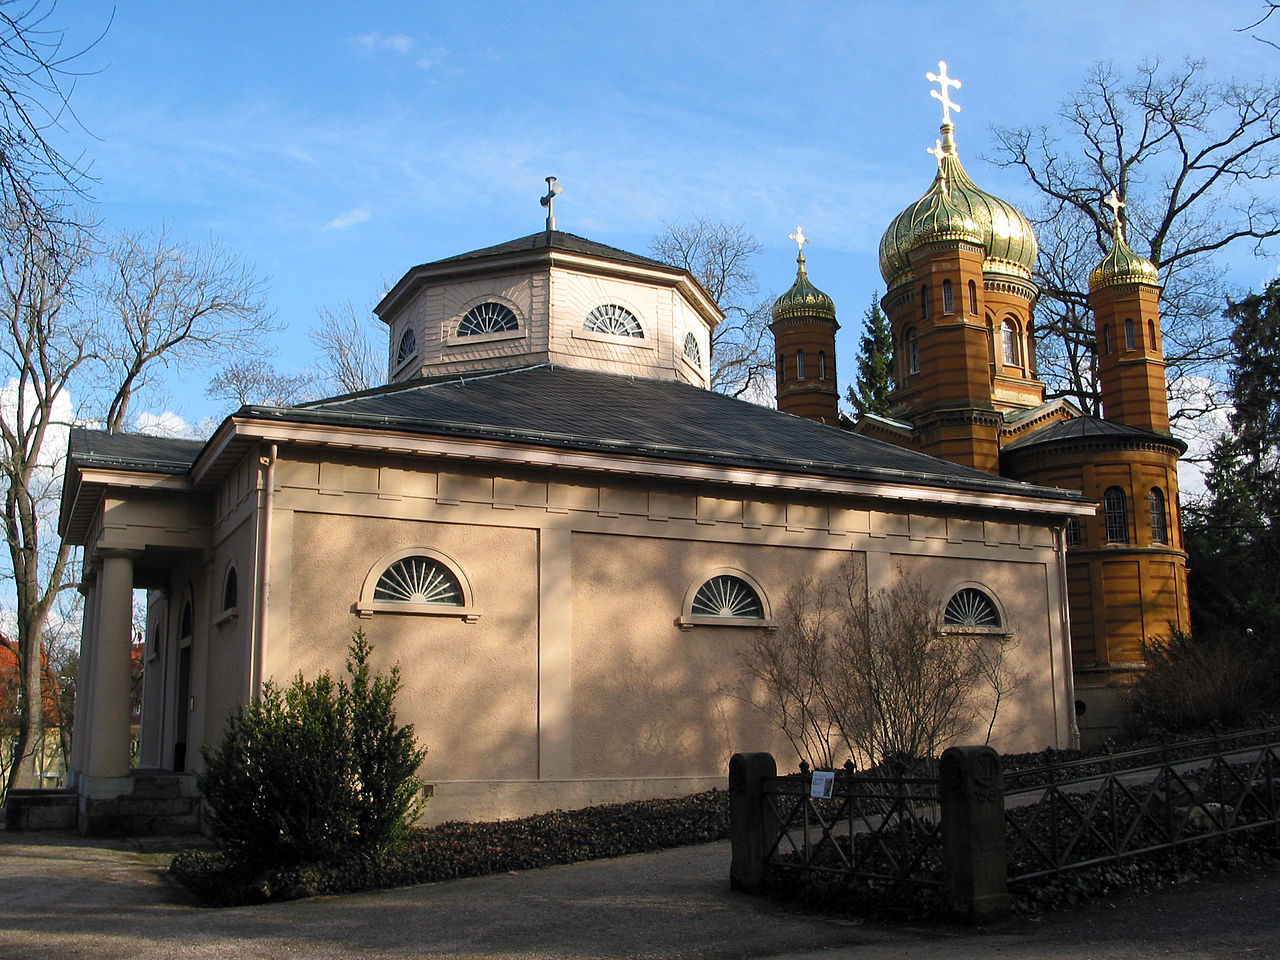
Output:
x,y
315,772
1192,682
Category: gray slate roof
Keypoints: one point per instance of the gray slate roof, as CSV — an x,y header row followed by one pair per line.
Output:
x,y
1086,427
132,451
556,240
570,409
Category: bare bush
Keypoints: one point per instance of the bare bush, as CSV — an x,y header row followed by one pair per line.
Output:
x,y
873,676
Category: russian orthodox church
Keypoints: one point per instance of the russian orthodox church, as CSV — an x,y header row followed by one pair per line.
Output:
x,y
958,267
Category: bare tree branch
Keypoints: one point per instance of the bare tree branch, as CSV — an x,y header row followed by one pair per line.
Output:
x,y
345,339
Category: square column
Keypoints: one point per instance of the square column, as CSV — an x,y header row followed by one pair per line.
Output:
x,y
106,727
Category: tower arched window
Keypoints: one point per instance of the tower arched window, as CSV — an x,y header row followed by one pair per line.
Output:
x,y
1107,345
782,367
407,348
1116,513
1159,519
1151,335
488,317
1130,336
912,350
800,365
973,298
615,320
924,302
948,298
1009,343
230,590
822,364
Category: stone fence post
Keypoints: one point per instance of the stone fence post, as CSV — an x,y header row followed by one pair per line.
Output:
x,y
973,853
748,829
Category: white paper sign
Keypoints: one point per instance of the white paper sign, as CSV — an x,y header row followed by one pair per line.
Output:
x,y
822,783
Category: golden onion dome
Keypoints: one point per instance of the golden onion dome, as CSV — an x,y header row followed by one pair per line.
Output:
x,y
803,299
1001,229
1122,265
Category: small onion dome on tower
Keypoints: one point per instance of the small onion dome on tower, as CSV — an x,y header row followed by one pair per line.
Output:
x,y
954,208
1122,265
803,299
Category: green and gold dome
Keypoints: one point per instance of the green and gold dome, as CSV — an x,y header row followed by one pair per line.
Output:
x,y
1122,266
803,299
954,208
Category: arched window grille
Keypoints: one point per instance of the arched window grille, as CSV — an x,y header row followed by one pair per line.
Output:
x,y
1130,338
800,365
615,320
407,348
419,580
973,298
727,597
1159,519
822,364
230,591
1073,532
924,302
1116,512
913,351
970,607
487,317
948,298
691,351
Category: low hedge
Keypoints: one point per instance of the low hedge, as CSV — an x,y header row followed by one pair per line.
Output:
x,y
453,850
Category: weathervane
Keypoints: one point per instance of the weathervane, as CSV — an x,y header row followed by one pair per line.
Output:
x,y
944,95
553,190
1113,201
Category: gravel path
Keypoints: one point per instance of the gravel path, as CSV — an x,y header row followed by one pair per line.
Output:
x,y
61,896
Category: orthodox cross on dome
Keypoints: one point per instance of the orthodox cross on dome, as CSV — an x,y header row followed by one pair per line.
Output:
x,y
1113,201
553,190
944,95
800,240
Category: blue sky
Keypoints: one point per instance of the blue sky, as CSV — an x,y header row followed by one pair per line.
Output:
x,y
336,145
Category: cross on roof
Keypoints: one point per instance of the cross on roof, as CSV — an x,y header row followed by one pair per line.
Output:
x,y
799,238
944,95
1113,201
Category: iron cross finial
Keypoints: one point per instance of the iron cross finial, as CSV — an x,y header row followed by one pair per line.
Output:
x,y
553,190
800,239
944,95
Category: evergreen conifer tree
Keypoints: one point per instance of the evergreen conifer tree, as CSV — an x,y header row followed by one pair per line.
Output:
x,y
874,382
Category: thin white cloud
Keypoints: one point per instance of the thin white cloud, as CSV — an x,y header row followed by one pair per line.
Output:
x,y
432,58
166,424
378,42
348,219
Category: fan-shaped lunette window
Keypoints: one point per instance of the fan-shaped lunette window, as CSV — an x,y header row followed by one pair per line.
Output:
x,y
727,596
614,320
691,351
970,607
418,580
487,317
408,347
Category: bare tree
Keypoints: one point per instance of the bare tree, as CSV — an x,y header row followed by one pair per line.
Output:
x,y
875,675
256,380
165,302
44,345
348,361
719,255
38,72
1190,158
